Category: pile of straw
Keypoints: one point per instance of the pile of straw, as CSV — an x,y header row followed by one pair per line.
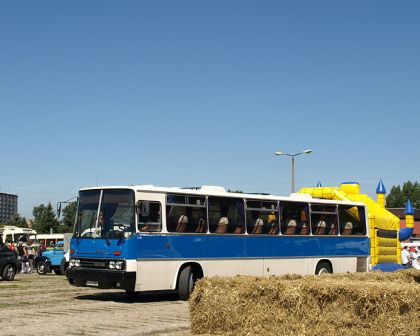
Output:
x,y
351,304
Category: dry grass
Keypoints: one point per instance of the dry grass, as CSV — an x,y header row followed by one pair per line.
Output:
x,y
351,304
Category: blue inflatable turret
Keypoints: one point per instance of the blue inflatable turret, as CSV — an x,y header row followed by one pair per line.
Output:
x,y
406,232
380,189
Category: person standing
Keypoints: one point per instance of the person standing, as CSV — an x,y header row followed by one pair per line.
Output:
x,y
22,257
414,258
405,257
41,248
30,254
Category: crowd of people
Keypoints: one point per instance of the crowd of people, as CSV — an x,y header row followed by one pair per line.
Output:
x,y
27,254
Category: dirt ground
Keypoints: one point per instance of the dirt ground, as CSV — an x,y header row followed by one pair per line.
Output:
x,y
48,305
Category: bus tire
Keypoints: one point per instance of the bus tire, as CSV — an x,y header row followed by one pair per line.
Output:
x,y
9,273
323,267
42,268
186,283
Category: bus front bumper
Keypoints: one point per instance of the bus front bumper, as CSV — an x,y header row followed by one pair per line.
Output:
x,y
106,279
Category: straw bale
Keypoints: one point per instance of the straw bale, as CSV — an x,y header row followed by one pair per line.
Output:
x,y
350,304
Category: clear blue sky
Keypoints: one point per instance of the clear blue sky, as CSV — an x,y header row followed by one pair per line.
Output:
x,y
186,93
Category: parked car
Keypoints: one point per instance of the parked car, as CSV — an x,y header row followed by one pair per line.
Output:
x,y
50,260
8,263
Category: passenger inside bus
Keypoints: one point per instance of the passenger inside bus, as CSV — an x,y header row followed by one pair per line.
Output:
x,y
273,227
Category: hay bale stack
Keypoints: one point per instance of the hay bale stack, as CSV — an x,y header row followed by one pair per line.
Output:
x,y
351,304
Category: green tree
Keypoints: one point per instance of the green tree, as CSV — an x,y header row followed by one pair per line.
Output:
x,y
16,220
397,197
45,219
69,215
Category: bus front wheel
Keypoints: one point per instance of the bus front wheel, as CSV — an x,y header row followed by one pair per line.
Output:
x,y
186,283
322,268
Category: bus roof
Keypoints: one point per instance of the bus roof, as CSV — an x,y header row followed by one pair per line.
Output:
x,y
206,190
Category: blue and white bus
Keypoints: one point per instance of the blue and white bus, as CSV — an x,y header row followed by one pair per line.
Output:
x,y
146,238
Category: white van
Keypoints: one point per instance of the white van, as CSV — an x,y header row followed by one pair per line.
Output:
x,y
16,234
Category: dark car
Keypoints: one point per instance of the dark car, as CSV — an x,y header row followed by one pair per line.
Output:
x,y
8,263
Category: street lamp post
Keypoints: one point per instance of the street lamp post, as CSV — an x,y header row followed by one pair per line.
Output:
x,y
306,151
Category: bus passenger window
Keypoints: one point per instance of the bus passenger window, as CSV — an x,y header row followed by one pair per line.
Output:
x,y
149,216
261,217
226,215
186,214
294,217
352,220
324,219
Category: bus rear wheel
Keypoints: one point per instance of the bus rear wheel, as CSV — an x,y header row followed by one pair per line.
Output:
x,y
186,283
322,268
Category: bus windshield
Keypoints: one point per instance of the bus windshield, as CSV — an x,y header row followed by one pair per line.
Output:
x,y
107,214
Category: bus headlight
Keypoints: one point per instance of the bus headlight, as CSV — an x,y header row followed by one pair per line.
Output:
x,y
116,264
74,263
119,265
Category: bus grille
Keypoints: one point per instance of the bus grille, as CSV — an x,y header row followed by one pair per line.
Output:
x,y
94,263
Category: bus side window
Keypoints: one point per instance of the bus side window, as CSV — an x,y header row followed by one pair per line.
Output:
x,y
149,216
352,220
226,215
261,217
324,219
294,216
186,214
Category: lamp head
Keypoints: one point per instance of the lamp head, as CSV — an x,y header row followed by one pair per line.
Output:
x,y
279,153
307,151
